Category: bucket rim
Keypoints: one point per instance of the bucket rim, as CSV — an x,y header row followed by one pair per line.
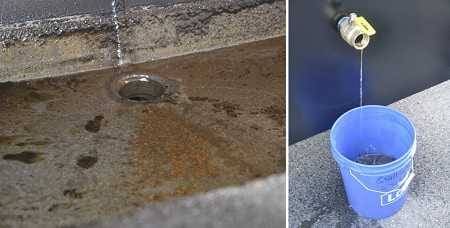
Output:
x,y
397,162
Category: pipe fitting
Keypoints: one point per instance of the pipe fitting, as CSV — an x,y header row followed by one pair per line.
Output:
x,y
356,31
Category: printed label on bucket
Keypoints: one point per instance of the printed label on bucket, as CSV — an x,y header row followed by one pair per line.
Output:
x,y
391,197
383,183
389,187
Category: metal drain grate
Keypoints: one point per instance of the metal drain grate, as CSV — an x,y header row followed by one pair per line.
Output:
x,y
140,88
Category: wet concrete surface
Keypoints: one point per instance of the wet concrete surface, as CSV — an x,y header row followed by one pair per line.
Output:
x,y
316,192
80,43
17,11
14,11
103,157
27,157
192,14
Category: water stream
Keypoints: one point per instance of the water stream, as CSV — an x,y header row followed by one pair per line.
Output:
x,y
361,78
369,156
115,7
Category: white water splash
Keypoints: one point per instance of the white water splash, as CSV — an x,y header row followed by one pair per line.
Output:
x,y
117,29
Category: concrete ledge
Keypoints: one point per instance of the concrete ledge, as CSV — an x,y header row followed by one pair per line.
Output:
x,y
316,193
258,204
74,44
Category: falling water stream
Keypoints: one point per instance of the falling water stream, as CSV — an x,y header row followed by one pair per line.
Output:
x,y
370,156
115,7
361,78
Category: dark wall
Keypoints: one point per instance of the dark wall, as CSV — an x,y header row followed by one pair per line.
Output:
x,y
13,11
409,53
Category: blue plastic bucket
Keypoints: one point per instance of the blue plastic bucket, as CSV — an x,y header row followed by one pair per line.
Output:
x,y
374,191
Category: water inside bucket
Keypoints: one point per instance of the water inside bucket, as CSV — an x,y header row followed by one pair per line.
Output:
x,y
374,159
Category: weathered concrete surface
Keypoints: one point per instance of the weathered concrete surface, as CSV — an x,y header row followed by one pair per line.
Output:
x,y
15,11
316,193
71,153
68,45
260,204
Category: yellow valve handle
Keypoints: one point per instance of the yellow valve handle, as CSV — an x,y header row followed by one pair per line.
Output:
x,y
365,26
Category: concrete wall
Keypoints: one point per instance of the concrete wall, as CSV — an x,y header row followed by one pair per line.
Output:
x,y
67,45
14,11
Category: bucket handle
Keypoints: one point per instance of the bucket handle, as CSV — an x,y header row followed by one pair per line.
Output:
x,y
402,185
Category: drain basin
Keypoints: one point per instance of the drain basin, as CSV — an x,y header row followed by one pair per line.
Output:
x,y
140,88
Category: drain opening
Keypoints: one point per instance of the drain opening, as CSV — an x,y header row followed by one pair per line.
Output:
x,y
141,88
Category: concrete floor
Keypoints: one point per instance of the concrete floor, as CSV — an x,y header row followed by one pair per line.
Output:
x,y
72,153
316,193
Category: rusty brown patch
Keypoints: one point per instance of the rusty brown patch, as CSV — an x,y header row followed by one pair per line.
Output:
x,y
208,99
174,157
168,148
231,109
7,140
276,113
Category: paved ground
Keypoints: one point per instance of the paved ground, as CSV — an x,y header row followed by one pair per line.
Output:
x,y
316,194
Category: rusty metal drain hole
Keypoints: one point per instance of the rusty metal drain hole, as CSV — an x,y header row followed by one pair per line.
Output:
x,y
141,88
142,91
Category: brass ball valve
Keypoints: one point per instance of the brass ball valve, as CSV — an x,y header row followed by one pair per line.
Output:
x,y
355,30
